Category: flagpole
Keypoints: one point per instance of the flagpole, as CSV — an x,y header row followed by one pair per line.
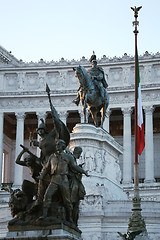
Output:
x,y
136,225
136,181
136,222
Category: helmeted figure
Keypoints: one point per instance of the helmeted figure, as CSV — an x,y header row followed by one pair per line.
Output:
x,y
92,92
97,74
47,141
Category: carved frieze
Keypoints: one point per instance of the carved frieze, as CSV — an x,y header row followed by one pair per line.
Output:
x,y
99,162
91,202
89,160
62,81
93,236
11,81
52,79
63,77
72,81
147,74
31,81
115,76
156,73
126,76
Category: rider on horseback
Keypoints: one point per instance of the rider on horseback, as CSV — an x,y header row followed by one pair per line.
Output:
x,y
97,74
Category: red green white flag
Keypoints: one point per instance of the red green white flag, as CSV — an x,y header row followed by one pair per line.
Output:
x,y
140,124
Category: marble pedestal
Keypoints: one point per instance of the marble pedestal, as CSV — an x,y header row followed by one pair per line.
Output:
x,y
51,232
100,157
142,236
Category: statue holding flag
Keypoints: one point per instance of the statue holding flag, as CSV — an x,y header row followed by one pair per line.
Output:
x,y
53,200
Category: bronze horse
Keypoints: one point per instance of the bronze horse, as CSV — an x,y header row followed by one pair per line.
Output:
x,y
90,96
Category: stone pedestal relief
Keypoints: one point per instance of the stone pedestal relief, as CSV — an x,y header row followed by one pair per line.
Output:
x,y
100,158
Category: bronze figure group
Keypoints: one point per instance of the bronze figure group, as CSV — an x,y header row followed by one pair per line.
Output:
x,y
56,190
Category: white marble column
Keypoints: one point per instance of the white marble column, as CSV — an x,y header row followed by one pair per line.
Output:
x,y
40,115
127,153
106,121
1,144
149,149
81,116
18,173
87,115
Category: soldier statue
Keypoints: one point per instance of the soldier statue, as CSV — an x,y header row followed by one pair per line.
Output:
x,y
98,76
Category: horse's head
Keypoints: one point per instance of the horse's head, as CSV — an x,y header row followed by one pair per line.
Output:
x,y
83,76
80,75
78,72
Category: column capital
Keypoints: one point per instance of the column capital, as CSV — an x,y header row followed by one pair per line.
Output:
x,y
20,115
1,113
63,114
148,109
108,112
126,110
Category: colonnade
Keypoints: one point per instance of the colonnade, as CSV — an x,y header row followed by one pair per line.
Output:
x,y
127,154
149,150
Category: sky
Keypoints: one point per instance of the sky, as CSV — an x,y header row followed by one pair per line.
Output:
x,y
52,29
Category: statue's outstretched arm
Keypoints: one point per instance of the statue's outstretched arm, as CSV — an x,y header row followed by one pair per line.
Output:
x,y
18,159
76,167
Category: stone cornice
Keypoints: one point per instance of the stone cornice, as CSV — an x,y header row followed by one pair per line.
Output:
x,y
4,58
71,92
8,58
65,64
104,59
37,93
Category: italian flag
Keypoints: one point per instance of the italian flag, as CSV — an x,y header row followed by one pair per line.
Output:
x,y
140,127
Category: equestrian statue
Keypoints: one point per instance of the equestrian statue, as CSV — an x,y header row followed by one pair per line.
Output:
x,y
92,91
